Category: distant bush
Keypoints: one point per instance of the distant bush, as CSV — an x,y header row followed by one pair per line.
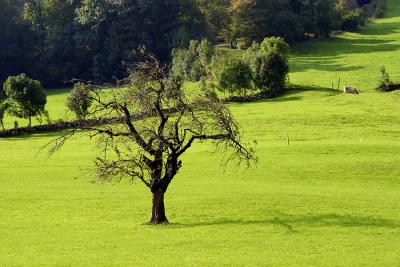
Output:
x,y
263,67
182,61
205,51
80,100
384,80
269,64
3,108
196,71
193,63
275,43
271,71
243,43
352,19
251,54
385,84
235,77
26,97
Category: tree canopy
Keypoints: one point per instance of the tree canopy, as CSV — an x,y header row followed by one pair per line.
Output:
x,y
55,41
26,97
150,148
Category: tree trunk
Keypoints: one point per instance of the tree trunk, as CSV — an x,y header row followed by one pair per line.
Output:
x,y
30,121
158,210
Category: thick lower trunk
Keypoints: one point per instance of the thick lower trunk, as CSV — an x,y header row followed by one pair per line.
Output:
x,y
158,210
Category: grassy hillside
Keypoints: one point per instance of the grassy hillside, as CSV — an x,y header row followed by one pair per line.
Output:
x,y
330,198
355,58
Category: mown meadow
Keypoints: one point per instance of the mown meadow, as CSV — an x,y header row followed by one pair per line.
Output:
x,y
326,190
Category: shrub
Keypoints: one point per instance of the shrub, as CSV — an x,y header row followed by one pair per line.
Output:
x,y
27,98
385,84
80,100
182,61
235,77
252,51
275,43
193,63
205,51
196,71
271,72
3,108
269,64
243,43
251,54
384,80
352,19
193,46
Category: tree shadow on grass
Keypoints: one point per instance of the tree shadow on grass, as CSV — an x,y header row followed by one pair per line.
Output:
x,y
291,222
23,136
338,46
285,98
295,89
326,55
315,63
385,29
381,29
292,93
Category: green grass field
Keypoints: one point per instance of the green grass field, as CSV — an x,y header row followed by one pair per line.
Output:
x,y
354,58
330,198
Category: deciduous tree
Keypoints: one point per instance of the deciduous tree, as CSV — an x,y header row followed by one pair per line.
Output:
x,y
151,149
235,77
26,97
275,43
271,71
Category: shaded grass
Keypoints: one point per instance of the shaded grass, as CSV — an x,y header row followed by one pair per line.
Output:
x,y
354,58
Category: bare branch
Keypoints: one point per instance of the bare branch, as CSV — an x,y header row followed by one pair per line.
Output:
x,y
155,125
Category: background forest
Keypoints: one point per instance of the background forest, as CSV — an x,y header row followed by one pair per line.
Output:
x,y
55,41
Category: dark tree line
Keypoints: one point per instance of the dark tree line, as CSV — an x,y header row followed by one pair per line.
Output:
x,y
294,20
56,40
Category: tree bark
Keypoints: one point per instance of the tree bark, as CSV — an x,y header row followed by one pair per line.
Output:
x,y
158,210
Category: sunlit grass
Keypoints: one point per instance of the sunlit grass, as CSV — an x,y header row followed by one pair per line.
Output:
x,y
326,191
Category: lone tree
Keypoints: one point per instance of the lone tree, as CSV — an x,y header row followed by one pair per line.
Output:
x,y
156,125
26,97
